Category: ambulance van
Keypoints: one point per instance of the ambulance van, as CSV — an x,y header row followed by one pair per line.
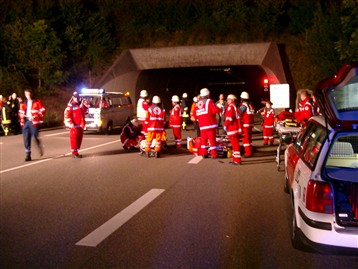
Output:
x,y
106,110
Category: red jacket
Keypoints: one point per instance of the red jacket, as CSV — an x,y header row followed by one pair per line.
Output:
x,y
75,115
175,119
269,117
248,114
38,111
205,113
232,120
155,118
304,110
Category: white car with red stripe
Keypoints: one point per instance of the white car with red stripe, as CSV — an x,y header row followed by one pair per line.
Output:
x,y
321,168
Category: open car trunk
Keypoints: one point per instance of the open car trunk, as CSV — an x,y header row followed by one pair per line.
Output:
x,y
341,169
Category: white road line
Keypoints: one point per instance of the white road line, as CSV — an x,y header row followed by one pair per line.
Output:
x,y
106,229
55,157
196,160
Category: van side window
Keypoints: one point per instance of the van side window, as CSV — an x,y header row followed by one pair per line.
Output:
x,y
116,101
124,101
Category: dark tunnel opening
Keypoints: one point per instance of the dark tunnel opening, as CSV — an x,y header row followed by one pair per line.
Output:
x,y
218,79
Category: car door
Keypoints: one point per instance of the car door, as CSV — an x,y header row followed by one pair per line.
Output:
x,y
293,155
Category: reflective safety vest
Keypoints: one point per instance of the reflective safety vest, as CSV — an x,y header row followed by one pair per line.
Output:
x,y
141,112
232,120
155,118
37,112
205,112
248,115
175,119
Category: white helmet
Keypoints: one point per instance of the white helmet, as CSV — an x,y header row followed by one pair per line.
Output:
x,y
244,95
231,97
195,99
143,93
185,95
156,100
175,99
204,92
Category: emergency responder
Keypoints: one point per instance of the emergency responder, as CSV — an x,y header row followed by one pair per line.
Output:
x,y
15,105
268,113
31,113
305,108
192,117
175,120
156,122
75,117
232,127
6,115
142,110
185,109
247,115
221,103
205,112
130,134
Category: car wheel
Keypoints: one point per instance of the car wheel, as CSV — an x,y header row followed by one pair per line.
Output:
x,y
109,128
295,233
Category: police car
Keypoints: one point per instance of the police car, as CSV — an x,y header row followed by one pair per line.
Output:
x,y
106,110
321,168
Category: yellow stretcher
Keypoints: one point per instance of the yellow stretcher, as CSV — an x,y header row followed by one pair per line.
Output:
x,y
286,135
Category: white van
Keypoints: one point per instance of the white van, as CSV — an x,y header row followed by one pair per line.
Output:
x,y
107,110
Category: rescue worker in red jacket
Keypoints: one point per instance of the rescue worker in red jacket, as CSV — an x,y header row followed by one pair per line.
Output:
x,y
305,108
205,112
31,113
142,110
232,126
130,134
247,115
75,117
268,113
176,120
156,122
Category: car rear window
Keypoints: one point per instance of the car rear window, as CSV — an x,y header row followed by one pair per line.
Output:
x,y
345,97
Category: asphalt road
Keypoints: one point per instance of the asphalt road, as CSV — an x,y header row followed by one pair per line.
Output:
x,y
114,209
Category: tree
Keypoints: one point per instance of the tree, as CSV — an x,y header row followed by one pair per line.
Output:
x,y
347,47
43,54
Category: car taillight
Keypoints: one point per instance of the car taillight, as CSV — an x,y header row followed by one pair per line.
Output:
x,y
319,197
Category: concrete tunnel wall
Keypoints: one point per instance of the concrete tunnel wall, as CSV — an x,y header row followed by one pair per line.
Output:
x,y
124,73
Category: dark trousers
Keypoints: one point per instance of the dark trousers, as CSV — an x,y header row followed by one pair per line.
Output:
x,y
29,131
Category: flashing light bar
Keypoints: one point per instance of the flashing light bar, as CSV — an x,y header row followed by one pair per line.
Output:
x,y
92,91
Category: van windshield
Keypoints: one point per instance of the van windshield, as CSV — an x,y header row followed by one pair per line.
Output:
x,y
93,101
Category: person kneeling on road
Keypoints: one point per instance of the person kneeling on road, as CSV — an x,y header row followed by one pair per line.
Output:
x,y
130,134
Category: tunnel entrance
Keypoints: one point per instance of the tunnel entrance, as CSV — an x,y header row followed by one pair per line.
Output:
x,y
218,79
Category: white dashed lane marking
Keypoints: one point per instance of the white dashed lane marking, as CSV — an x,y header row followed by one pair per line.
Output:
x,y
106,229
